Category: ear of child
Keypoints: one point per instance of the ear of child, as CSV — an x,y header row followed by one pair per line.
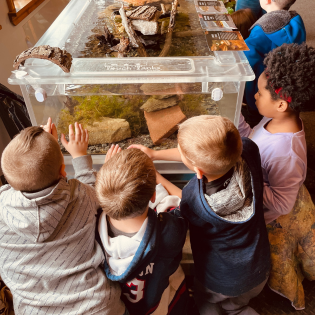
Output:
x,y
269,5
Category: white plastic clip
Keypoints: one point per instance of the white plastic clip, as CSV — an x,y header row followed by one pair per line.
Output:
x,y
40,93
217,94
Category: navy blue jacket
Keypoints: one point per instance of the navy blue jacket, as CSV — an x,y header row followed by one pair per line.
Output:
x,y
230,258
261,43
157,258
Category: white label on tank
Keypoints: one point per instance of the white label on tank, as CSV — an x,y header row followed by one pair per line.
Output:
x,y
217,94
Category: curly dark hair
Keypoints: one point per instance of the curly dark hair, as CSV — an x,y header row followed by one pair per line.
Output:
x,y
291,68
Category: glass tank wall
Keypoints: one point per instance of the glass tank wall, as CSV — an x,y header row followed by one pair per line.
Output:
x,y
126,99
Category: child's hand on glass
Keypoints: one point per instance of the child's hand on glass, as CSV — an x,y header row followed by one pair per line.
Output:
x,y
78,141
50,127
114,149
149,152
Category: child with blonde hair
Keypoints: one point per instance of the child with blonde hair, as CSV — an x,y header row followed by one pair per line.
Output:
x,y
223,204
143,248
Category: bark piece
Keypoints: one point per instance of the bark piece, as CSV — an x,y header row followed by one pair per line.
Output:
x,y
172,17
61,58
133,38
145,27
108,130
142,13
122,47
153,104
163,123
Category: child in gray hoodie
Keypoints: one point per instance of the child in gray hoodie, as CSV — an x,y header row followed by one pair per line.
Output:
x,y
49,258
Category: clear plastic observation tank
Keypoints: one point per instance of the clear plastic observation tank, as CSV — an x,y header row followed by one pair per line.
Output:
x,y
109,95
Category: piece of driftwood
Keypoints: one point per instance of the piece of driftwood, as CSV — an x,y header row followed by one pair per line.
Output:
x,y
144,12
133,37
122,47
172,17
169,35
60,57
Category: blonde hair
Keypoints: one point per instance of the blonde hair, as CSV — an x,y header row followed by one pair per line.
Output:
x,y
125,184
211,143
32,160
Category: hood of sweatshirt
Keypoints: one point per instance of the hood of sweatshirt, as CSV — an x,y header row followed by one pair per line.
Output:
x,y
282,26
125,256
120,250
35,216
235,202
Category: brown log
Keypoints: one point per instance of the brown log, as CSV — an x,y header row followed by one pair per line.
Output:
x,y
61,58
133,37
144,12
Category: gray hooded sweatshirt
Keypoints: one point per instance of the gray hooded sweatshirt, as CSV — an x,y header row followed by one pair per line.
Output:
x,y
48,254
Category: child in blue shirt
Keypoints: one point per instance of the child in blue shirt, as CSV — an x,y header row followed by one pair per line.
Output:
x,y
273,29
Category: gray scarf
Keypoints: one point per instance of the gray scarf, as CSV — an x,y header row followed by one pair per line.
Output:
x,y
235,202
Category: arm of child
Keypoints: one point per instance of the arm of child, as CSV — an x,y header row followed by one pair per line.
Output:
x,y
285,177
243,127
77,147
171,188
166,155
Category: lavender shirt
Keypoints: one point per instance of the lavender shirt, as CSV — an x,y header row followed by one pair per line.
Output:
x,y
284,165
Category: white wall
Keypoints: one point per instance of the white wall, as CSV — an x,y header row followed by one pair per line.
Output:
x,y
12,38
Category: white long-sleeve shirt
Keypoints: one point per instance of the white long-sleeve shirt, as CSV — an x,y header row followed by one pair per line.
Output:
x,y
284,166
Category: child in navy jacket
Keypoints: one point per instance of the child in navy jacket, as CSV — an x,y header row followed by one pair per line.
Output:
x,y
143,249
223,205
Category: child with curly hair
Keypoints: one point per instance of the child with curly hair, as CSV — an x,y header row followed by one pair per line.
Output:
x,y
285,88
279,26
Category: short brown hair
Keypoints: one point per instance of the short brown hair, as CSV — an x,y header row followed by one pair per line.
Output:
x,y
125,184
244,20
32,160
285,4
211,143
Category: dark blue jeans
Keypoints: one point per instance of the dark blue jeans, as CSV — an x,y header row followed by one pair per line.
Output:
x,y
254,5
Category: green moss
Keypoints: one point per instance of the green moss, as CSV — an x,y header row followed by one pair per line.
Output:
x,y
182,22
93,108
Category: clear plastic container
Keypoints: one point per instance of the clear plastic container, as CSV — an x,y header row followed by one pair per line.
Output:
x,y
98,85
